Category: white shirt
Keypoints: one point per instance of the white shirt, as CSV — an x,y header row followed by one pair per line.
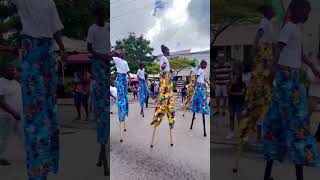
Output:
x,y
200,76
11,90
193,71
39,18
291,53
113,91
121,65
163,60
99,37
141,74
266,26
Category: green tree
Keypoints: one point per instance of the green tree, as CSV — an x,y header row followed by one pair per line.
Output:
x,y
179,64
137,50
77,15
152,68
226,13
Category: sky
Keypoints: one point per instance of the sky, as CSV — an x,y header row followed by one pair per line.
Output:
x,y
179,24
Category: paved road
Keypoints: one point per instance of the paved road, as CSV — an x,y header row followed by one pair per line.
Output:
x,y
79,152
252,164
189,158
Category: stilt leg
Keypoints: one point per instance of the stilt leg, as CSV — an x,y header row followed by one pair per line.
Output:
x,y
142,113
237,157
171,143
99,163
120,125
204,125
104,160
153,135
124,126
193,117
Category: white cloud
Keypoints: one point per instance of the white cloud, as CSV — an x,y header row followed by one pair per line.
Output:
x,y
180,24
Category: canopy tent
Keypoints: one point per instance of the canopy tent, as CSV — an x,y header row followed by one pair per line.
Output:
x,y
78,59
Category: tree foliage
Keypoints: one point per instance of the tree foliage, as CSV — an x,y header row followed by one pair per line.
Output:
x,y
78,15
137,49
152,68
179,64
226,13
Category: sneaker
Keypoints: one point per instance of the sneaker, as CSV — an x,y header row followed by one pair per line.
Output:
x,y
4,162
230,136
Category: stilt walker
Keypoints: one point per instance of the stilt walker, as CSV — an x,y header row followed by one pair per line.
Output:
x,y
191,88
40,27
99,46
165,103
260,87
286,125
122,89
199,101
143,88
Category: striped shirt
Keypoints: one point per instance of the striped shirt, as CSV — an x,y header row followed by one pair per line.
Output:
x,y
222,73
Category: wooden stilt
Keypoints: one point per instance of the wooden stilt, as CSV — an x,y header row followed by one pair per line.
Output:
x,y
204,125
237,157
193,117
171,143
120,125
153,136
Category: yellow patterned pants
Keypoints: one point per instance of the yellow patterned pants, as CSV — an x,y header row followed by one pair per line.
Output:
x,y
165,104
191,89
259,92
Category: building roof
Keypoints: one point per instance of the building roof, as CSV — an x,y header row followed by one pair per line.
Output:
x,y
237,35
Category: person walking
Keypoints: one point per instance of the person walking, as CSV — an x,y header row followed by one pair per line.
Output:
x,y
199,101
260,87
143,88
98,44
191,87
165,103
123,71
285,126
40,26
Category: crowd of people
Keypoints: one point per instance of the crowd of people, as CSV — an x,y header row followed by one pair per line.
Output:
x,y
276,90
196,94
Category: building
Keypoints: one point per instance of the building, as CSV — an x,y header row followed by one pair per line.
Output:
x,y
191,55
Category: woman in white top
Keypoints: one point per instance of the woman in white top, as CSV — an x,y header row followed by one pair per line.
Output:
x,y
143,87
123,71
41,25
199,101
191,87
285,126
165,103
257,104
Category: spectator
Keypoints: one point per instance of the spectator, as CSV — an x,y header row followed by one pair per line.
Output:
x,y
222,75
236,90
184,92
179,86
135,91
10,109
